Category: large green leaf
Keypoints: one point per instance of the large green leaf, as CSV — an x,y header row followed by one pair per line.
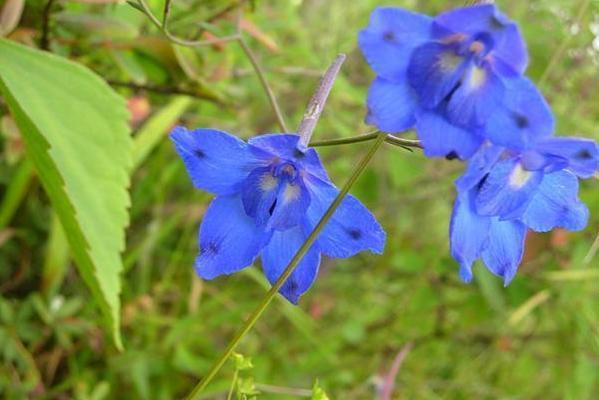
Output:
x,y
75,130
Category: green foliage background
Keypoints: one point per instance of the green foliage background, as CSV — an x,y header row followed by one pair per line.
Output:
x,y
536,339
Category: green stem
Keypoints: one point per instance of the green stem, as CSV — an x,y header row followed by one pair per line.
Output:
x,y
269,93
249,323
233,384
405,143
238,37
162,25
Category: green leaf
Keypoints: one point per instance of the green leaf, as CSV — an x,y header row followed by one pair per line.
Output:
x,y
76,134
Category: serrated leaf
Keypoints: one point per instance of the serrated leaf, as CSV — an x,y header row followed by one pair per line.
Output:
x,y
75,130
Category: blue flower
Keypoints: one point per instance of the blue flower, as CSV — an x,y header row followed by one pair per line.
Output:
x,y
270,194
505,192
444,76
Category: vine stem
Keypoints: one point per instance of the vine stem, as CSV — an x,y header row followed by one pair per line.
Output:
x,y
249,323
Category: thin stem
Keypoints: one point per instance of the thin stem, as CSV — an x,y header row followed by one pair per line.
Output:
x,y
233,384
592,251
389,381
167,12
559,53
318,101
260,72
162,25
168,90
238,36
404,143
249,323
296,392
45,40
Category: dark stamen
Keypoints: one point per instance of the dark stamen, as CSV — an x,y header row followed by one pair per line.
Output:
x,y
389,36
271,210
496,23
355,233
583,155
292,285
521,120
481,183
199,153
297,153
452,156
447,98
209,249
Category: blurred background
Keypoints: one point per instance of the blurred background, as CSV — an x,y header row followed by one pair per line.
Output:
x,y
536,339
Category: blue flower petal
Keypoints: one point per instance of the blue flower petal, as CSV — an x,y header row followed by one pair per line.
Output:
x,y
442,139
434,72
259,194
523,118
389,40
478,166
582,155
505,248
286,146
216,161
507,190
532,160
556,204
476,98
229,239
276,257
508,43
469,20
510,48
391,106
468,234
351,229
292,202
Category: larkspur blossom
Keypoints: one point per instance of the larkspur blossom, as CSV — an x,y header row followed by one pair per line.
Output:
x,y
446,76
526,179
270,194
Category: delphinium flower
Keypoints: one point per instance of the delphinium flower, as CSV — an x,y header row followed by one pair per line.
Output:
x,y
526,179
270,194
445,76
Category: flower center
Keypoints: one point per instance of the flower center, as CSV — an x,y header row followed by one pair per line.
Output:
x,y
519,177
477,47
287,171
